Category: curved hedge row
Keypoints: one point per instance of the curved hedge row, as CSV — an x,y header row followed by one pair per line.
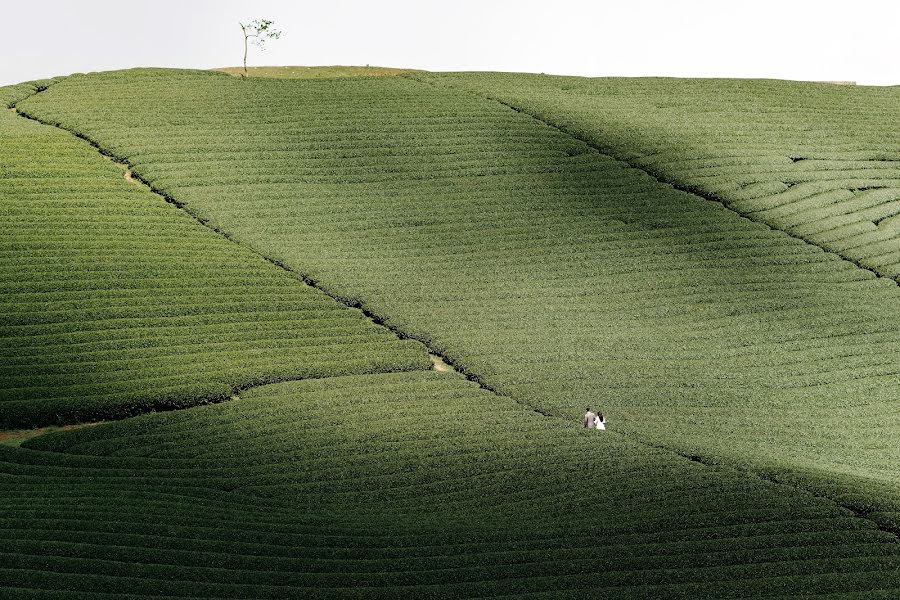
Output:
x,y
406,485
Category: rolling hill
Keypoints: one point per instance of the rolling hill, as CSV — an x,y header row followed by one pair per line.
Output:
x,y
544,236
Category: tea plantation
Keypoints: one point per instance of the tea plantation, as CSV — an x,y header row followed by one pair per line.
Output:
x,y
819,161
114,301
332,488
750,377
555,274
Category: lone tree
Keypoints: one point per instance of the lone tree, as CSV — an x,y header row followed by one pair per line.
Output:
x,y
256,32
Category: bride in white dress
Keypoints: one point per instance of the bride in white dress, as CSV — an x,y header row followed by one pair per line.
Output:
x,y
600,422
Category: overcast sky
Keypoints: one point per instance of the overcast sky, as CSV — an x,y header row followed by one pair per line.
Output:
x,y
801,39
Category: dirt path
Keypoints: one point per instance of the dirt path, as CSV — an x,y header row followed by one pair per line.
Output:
x,y
15,437
438,364
126,170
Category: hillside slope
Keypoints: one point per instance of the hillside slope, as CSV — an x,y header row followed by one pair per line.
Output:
x,y
819,161
553,273
407,485
114,302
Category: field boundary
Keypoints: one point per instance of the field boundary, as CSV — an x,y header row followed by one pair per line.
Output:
x,y
702,194
443,361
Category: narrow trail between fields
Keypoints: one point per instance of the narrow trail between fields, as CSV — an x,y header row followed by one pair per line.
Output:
x,y
441,362
15,437
438,364
126,170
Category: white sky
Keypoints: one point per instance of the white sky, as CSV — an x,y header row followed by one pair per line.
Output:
x,y
788,39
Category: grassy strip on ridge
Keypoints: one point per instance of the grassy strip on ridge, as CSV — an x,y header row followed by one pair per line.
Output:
x,y
301,72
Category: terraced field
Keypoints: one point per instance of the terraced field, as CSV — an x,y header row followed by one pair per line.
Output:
x,y
333,488
819,161
114,301
553,274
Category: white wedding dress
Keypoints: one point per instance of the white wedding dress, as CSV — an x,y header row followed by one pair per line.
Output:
x,y
601,425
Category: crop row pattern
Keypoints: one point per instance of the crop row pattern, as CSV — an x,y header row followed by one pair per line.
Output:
x,y
555,273
113,302
406,485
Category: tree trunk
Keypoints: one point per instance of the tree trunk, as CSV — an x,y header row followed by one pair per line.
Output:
x,y
245,57
244,29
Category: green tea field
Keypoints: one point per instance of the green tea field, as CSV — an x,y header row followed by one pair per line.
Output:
x,y
251,280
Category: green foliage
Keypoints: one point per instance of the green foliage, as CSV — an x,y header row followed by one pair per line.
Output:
x,y
11,94
557,275
259,31
406,485
554,273
114,302
819,161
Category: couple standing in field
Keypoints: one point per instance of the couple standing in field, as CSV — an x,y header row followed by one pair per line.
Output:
x,y
592,421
